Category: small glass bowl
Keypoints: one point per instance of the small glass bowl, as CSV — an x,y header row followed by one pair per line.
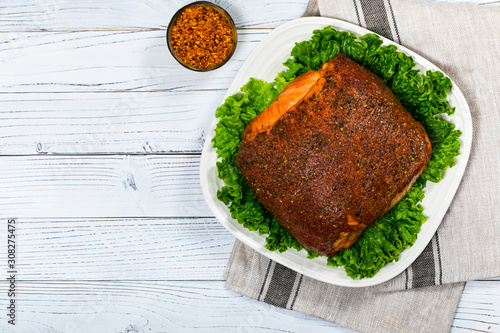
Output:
x,y
223,13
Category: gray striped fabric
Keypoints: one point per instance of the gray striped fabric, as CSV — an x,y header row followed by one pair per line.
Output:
x,y
462,40
428,309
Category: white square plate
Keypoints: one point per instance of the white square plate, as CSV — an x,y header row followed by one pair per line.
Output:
x,y
264,63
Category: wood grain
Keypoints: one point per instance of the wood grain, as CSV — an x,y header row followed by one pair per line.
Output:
x,y
98,61
43,15
35,15
101,186
106,92
151,306
479,307
105,123
114,249
192,306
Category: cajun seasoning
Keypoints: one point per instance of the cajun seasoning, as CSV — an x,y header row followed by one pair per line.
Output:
x,y
202,37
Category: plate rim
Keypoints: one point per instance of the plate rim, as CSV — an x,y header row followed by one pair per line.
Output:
x,y
283,258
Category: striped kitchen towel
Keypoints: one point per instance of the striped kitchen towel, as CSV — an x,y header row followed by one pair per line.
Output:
x,y
463,41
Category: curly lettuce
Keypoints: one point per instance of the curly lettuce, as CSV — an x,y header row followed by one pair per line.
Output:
x,y
422,94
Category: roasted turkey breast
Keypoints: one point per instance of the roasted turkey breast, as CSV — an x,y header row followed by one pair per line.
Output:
x,y
333,152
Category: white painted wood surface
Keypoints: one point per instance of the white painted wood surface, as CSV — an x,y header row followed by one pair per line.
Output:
x,y
100,140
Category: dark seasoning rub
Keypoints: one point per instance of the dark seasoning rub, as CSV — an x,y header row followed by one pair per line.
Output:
x,y
336,162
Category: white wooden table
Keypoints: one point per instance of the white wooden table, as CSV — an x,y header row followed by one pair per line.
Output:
x,y
101,133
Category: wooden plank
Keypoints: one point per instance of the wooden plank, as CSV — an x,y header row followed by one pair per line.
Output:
x,y
190,306
32,15
479,307
119,122
149,306
101,186
106,92
99,61
121,249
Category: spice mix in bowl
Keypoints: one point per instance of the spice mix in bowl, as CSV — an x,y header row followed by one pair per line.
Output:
x,y
201,36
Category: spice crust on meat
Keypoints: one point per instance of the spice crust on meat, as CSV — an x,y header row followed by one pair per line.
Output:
x,y
332,153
